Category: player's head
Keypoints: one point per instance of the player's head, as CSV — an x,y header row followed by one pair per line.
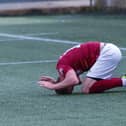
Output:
x,y
67,90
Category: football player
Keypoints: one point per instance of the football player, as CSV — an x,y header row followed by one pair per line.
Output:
x,y
98,59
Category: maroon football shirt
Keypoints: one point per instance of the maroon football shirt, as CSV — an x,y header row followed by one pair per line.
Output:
x,y
80,58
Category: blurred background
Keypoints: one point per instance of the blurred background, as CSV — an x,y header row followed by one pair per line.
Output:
x,y
20,7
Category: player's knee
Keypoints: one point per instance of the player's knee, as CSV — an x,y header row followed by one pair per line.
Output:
x,y
87,85
86,90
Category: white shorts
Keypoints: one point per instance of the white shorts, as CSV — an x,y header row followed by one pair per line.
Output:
x,y
106,63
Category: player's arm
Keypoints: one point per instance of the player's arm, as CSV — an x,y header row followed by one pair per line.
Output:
x,y
70,79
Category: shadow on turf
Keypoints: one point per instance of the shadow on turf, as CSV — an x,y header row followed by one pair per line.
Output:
x,y
79,93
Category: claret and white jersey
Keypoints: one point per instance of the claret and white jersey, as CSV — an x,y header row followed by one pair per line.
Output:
x,y
89,56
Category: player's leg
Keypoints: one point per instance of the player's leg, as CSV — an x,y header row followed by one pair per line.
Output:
x,y
107,62
98,86
102,85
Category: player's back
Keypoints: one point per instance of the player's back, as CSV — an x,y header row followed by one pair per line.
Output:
x,y
81,57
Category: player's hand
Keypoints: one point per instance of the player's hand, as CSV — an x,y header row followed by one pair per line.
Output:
x,y
47,78
46,84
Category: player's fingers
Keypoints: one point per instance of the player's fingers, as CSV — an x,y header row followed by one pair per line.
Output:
x,y
40,83
45,78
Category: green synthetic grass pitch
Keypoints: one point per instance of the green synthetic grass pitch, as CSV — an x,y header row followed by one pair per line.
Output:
x,y
23,102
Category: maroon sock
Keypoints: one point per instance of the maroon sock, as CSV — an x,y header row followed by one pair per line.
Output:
x,y
102,85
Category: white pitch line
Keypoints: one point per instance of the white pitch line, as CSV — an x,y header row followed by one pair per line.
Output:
x,y
27,62
31,62
37,38
48,33
32,34
6,40
22,37
124,49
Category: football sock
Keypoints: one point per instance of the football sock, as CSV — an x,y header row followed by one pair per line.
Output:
x,y
102,85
